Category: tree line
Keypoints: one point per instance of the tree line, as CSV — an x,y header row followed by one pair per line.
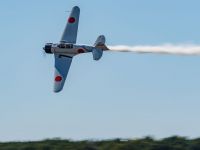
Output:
x,y
147,143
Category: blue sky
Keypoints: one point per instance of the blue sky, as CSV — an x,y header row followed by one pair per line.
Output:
x,y
124,95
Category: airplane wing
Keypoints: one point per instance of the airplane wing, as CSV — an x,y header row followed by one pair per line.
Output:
x,y
62,65
71,29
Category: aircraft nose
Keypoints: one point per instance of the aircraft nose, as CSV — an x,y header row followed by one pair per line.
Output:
x,y
47,49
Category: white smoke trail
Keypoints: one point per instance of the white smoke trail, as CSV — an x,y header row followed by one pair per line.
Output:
x,y
163,49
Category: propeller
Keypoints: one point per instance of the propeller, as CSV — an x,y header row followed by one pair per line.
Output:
x,y
44,54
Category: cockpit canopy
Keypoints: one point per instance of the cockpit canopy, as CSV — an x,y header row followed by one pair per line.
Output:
x,y
65,45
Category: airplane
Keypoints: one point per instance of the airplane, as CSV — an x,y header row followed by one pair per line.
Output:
x,y
67,49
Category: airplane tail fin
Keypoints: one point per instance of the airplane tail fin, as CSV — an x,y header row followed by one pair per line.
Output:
x,y
99,47
100,43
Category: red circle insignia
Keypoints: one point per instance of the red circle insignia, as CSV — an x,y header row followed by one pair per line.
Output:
x,y
71,20
58,78
80,51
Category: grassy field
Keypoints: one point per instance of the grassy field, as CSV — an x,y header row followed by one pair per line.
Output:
x,y
148,143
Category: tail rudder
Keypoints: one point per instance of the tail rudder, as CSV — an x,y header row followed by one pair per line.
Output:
x,y
100,43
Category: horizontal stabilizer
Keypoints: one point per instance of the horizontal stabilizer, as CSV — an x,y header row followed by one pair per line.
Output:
x,y
97,53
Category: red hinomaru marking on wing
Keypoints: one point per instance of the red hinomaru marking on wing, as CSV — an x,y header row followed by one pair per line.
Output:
x,y
58,78
80,51
71,20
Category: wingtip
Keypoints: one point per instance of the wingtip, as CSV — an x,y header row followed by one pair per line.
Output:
x,y
76,7
57,88
57,91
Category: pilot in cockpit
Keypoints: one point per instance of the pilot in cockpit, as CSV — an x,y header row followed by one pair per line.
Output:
x,y
65,45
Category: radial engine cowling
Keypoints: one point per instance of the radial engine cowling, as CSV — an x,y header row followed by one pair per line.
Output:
x,y
47,48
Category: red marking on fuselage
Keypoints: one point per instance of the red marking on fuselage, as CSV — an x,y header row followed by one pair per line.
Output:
x,y
80,51
58,78
71,20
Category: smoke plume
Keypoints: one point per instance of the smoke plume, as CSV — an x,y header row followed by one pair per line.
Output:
x,y
162,49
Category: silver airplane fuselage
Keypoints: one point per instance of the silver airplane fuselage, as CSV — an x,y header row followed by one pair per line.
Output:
x,y
67,49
